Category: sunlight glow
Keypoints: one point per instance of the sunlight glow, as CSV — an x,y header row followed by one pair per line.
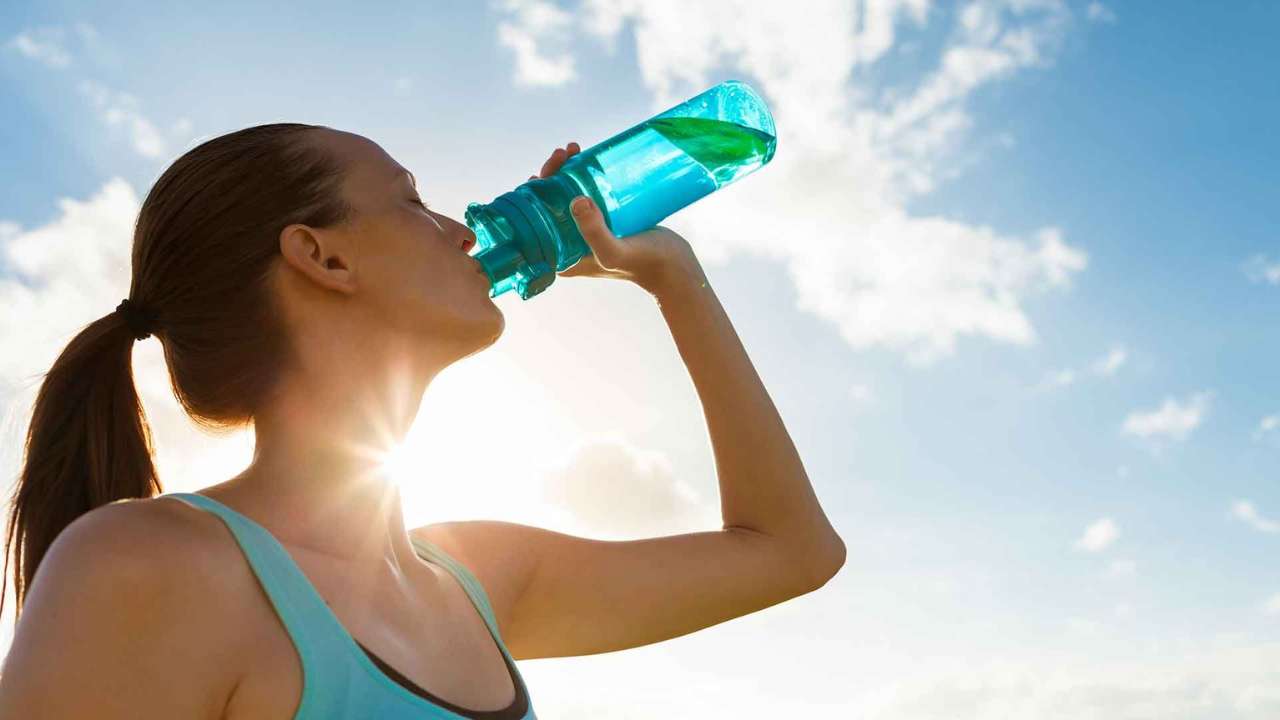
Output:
x,y
468,456
398,464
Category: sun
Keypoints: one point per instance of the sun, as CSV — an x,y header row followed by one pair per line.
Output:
x,y
398,463
467,456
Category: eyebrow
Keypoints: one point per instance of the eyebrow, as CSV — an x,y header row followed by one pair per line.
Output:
x,y
412,179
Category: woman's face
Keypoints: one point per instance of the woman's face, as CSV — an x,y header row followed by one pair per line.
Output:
x,y
412,266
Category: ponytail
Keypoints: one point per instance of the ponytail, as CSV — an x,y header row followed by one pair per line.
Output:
x,y
88,445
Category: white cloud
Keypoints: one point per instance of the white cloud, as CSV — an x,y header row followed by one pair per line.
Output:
x,y
1098,535
1259,269
1067,376
1113,361
536,25
850,160
1245,510
44,45
616,489
874,34
1273,605
63,275
1099,13
118,109
1173,419
987,48
1266,425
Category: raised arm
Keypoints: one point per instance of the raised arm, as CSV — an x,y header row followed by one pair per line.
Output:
x,y
559,595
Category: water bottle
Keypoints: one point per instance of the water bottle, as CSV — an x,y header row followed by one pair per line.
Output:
x,y
637,178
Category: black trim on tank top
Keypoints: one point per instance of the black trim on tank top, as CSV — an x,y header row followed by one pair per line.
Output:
x,y
516,710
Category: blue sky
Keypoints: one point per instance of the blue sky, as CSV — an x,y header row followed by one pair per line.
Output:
x,y
1010,280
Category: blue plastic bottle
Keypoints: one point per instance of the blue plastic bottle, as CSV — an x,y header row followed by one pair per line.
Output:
x,y
637,177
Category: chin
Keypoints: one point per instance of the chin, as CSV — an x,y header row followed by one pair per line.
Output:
x,y
487,334
500,324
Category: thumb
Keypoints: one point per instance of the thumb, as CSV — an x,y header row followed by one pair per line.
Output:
x,y
591,224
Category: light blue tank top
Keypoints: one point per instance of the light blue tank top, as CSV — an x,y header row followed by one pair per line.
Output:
x,y
341,682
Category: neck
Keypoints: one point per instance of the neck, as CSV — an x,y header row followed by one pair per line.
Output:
x,y
318,476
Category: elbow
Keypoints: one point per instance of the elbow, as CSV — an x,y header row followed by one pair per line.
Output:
x,y
825,562
804,565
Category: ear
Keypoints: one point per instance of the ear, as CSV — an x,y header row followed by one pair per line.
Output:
x,y
320,255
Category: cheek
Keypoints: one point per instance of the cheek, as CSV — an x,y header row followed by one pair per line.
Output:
x,y
430,276
413,255
419,270
395,273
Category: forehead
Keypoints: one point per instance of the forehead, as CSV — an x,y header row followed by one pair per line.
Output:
x,y
365,163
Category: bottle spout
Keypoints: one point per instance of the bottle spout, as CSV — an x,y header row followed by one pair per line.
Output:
x,y
499,262
515,253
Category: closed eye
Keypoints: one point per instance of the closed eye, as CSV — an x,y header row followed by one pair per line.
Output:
x,y
420,203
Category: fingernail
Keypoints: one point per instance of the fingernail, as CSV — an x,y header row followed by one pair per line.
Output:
x,y
581,205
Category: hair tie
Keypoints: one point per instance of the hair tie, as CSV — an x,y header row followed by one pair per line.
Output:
x,y
139,319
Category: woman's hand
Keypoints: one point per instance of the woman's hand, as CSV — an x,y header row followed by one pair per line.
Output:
x,y
558,156
654,259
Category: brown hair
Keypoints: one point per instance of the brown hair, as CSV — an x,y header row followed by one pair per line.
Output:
x,y
204,249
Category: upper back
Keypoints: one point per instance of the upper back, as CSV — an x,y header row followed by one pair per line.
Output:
x,y
126,617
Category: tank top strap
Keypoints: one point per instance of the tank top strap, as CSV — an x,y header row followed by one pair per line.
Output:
x,y
431,552
316,633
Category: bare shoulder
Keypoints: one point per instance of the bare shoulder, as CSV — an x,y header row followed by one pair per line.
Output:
x,y
170,526
135,540
184,556
164,542
188,550
141,574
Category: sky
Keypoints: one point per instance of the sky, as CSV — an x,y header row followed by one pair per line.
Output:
x,y
1010,279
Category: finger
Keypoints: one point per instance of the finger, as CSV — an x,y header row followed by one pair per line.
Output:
x,y
591,224
553,163
572,149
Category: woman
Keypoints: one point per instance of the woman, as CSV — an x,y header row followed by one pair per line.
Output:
x,y
300,287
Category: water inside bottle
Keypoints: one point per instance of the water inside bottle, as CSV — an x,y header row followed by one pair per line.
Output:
x,y
724,149
688,157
